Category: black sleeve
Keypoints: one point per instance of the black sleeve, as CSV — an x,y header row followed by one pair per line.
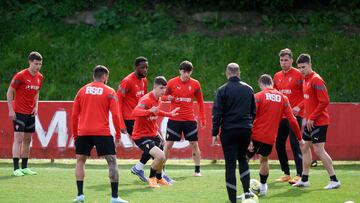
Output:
x,y
217,113
253,108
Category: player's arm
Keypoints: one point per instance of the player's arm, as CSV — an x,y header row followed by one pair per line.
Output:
x,y
75,116
322,96
300,106
217,113
167,96
15,83
292,120
121,94
35,110
115,112
254,107
200,102
141,110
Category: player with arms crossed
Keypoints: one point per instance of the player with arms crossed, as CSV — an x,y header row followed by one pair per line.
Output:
x,y
317,120
90,127
22,98
271,105
146,134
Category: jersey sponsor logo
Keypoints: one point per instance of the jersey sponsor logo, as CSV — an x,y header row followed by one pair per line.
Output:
x,y
273,97
183,99
32,87
285,91
140,93
306,96
151,118
178,87
94,90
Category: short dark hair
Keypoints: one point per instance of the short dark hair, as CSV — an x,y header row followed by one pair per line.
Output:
x,y
266,79
304,58
34,55
140,59
99,71
160,80
285,52
186,66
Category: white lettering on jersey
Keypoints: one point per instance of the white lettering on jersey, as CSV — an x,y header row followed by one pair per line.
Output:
x,y
94,90
306,96
285,91
140,93
273,97
32,87
183,99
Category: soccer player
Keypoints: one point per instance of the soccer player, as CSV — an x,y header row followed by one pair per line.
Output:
x,y
234,110
289,81
131,89
22,98
90,127
145,133
317,120
271,105
181,92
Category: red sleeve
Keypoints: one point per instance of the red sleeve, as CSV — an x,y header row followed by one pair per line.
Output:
x,y
275,79
164,114
322,96
140,110
121,93
290,116
257,100
16,81
301,104
115,112
75,115
200,102
145,86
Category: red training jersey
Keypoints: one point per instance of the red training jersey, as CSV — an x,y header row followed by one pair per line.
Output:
x,y
184,93
270,106
316,100
90,113
130,90
291,85
145,121
26,88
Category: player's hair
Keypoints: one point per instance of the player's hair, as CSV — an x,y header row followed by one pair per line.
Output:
x,y
99,71
304,58
160,80
34,55
186,66
266,80
285,52
233,68
140,59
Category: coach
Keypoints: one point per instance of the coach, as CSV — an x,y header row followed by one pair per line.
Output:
x,y
234,110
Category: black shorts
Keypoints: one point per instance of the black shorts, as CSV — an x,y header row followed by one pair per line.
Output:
x,y
176,128
105,145
262,148
317,135
147,143
129,126
24,123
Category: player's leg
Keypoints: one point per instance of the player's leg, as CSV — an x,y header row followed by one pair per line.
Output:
x,y
16,151
167,148
25,147
190,130
306,158
295,147
173,134
230,149
242,137
283,133
264,174
156,166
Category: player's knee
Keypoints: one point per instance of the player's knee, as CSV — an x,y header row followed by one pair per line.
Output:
x,y
318,150
27,140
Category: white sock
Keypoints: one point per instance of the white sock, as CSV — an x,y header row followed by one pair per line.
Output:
x,y
139,166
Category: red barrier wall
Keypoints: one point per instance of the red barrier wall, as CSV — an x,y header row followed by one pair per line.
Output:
x,y
53,139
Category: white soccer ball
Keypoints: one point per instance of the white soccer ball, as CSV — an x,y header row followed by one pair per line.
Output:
x,y
254,199
255,186
248,201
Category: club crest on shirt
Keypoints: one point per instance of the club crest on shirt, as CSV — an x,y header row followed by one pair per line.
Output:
x,y
190,88
290,78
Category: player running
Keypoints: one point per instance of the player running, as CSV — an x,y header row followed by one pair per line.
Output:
x,y
181,92
146,135
90,127
317,120
130,90
271,105
22,98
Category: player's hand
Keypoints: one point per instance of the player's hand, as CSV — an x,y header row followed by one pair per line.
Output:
x,y
296,110
118,142
170,98
174,112
12,114
215,141
154,109
251,147
202,125
124,131
309,125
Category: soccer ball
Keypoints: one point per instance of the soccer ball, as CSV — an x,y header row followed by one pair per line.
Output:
x,y
254,199
248,201
255,186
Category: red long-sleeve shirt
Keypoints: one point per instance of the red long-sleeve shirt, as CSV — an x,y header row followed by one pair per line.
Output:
x,y
130,90
184,93
291,85
145,121
270,106
316,100
26,87
90,113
